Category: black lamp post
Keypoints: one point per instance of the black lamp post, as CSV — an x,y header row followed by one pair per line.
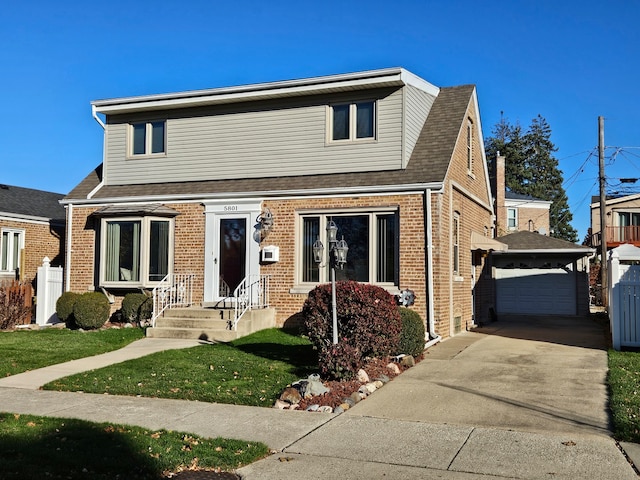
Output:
x,y
337,257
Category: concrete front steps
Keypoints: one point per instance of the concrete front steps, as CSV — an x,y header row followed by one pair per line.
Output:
x,y
210,324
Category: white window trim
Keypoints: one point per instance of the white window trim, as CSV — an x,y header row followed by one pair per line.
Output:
x,y
305,287
145,227
21,240
515,210
148,139
353,123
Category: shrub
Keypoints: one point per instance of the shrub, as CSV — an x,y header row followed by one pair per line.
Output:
x,y
369,325
13,309
64,306
91,310
413,333
137,307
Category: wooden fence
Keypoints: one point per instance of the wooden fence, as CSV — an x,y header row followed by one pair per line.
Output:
x,y
9,288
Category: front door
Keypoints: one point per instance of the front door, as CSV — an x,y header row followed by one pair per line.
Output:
x,y
230,262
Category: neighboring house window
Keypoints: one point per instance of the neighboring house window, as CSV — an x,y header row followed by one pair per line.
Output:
x,y
135,251
373,247
456,243
12,245
148,138
470,146
353,121
512,218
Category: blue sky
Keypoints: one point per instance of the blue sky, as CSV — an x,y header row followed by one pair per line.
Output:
x,y
570,61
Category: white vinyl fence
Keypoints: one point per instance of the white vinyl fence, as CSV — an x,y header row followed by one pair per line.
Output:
x,y
624,296
49,289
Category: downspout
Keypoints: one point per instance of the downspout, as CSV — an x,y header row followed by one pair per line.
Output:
x,y
67,260
431,338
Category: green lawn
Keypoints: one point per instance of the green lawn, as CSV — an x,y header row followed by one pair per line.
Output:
x,y
36,447
24,350
624,391
250,371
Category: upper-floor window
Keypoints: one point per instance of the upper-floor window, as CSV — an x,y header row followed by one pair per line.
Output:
x,y
136,251
469,146
373,247
10,247
512,218
148,138
626,219
353,121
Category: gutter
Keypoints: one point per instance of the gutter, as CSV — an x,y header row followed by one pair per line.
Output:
x,y
67,259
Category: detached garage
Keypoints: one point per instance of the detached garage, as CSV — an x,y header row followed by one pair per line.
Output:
x,y
537,274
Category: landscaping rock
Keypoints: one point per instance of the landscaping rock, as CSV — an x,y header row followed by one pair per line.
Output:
x,y
407,361
325,409
291,395
313,408
348,401
315,386
378,384
294,406
371,387
355,397
280,405
383,379
362,376
394,369
338,409
345,406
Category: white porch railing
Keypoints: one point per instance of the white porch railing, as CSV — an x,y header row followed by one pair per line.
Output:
x,y
175,290
253,292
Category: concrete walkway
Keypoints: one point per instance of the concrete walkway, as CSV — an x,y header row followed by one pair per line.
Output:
x,y
522,399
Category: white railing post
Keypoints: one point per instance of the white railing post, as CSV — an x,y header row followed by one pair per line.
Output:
x,y
174,290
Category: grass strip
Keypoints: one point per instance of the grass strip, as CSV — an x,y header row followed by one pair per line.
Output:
x,y
250,371
624,394
42,447
24,350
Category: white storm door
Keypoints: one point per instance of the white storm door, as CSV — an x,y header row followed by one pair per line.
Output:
x,y
231,253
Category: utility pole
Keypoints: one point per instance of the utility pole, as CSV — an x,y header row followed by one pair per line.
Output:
x,y
604,277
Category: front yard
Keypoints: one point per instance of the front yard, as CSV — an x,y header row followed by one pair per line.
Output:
x,y
624,394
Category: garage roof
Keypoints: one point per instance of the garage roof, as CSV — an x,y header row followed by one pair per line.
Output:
x,y
531,242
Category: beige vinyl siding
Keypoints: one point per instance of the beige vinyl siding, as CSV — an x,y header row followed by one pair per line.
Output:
x,y
253,141
418,104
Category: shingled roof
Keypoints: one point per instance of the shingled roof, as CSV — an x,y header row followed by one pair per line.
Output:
x,y
428,164
27,202
525,240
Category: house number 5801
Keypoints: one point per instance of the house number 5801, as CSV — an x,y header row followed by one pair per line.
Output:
x,y
230,208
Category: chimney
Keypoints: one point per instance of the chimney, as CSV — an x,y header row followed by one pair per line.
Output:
x,y
501,211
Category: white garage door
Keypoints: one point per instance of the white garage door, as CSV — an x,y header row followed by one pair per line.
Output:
x,y
528,291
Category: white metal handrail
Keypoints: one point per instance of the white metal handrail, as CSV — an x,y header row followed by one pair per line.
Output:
x,y
175,290
253,292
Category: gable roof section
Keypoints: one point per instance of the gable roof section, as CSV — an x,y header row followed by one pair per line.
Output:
x,y
531,242
30,204
427,168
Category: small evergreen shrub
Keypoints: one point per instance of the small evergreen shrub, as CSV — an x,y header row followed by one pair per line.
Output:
x,y
137,307
369,325
413,333
64,305
91,310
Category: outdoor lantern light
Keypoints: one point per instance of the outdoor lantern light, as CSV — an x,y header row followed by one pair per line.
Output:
x,y
318,251
332,232
266,219
337,256
341,250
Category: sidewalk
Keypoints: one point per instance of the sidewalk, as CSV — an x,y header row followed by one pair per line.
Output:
x,y
506,403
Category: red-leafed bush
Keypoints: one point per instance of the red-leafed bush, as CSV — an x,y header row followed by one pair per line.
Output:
x,y
369,325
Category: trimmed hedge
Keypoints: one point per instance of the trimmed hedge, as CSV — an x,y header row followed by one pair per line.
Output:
x,y
137,307
64,305
91,310
369,325
413,332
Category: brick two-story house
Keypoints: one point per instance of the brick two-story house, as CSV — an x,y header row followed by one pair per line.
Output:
x,y
190,181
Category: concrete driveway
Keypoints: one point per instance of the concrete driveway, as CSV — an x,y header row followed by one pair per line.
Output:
x,y
523,398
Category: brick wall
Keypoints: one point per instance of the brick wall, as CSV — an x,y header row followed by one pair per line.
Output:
x,y
40,240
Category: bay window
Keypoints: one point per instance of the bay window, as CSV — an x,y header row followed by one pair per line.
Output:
x,y
373,247
135,251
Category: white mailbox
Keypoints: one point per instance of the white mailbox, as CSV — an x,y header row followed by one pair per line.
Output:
x,y
270,253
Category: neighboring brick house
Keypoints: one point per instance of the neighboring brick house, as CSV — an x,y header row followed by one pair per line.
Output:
x,y
516,212
397,163
32,225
